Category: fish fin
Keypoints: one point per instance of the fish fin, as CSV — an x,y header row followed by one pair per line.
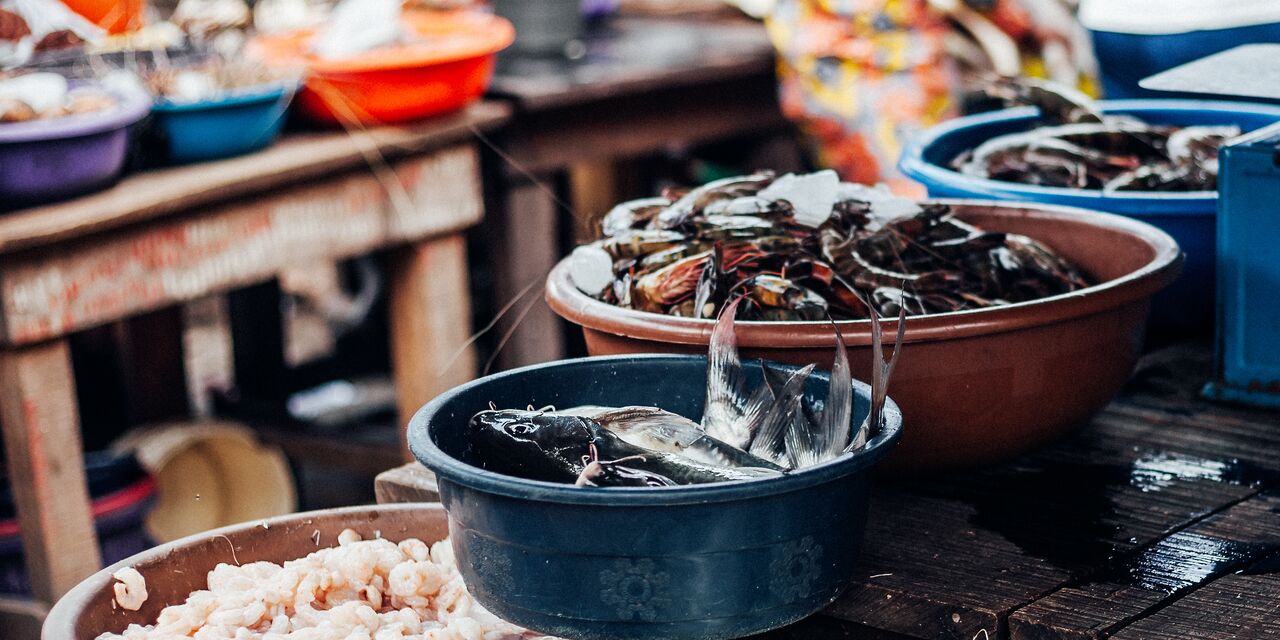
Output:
x,y
802,440
881,372
753,414
834,424
724,400
774,380
770,441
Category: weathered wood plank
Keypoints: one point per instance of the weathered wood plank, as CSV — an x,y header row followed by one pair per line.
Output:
x,y
966,552
430,312
47,294
409,483
631,126
524,253
42,446
1127,589
1245,605
298,157
674,55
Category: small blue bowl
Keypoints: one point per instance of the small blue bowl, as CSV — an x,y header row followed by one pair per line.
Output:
x,y
703,561
1187,216
230,126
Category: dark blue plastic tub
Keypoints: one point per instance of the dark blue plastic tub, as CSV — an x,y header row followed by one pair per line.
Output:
x,y
222,128
711,561
1188,216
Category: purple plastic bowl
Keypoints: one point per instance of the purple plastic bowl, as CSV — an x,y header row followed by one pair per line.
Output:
x,y
46,160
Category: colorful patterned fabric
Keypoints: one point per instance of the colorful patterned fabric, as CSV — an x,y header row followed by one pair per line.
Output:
x,y
860,77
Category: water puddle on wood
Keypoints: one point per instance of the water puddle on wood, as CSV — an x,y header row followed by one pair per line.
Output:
x,y
1065,513
1181,560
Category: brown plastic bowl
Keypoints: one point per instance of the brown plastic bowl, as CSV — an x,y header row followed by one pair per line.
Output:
x,y
974,386
174,570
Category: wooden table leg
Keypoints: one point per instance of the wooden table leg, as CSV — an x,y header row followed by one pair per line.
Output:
x,y
430,321
593,188
527,250
46,468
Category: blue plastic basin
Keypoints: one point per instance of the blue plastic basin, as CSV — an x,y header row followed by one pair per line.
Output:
x,y
1126,58
705,561
1187,216
222,128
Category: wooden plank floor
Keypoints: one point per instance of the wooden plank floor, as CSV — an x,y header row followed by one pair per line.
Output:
x,y
1160,519
1145,515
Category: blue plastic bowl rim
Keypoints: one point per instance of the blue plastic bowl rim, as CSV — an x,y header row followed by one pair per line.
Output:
x,y
912,161
451,469
132,107
265,92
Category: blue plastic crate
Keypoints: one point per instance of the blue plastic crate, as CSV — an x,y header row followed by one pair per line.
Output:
x,y
1248,368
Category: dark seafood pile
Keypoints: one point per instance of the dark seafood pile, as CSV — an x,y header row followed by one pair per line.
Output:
x,y
1080,148
744,434
808,248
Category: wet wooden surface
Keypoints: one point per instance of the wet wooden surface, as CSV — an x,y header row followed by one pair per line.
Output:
x,y
1160,519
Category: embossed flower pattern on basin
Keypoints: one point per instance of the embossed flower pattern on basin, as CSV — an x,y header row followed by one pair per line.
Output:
x,y
794,568
635,588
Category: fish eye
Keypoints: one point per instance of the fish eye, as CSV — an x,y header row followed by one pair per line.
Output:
x,y
520,429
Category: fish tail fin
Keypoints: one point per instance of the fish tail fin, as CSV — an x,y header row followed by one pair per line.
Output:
x,y
753,415
803,441
724,401
881,372
834,425
770,441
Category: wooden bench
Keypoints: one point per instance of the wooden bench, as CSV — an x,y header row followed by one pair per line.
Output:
x,y
169,237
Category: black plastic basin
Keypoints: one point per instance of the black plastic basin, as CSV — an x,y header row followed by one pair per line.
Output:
x,y
705,561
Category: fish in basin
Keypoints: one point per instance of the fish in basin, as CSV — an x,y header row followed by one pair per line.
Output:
x,y
744,434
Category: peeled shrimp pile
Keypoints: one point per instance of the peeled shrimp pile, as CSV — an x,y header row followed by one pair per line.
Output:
x,y
370,590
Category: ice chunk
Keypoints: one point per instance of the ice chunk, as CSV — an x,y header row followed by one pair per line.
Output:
x,y
885,204
193,86
591,269
357,26
812,195
40,91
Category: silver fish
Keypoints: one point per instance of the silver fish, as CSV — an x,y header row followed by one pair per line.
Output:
x,y
770,441
658,430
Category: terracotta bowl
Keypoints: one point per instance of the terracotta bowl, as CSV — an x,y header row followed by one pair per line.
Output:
x,y
174,570
974,386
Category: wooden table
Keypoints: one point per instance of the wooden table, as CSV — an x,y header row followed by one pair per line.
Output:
x,y
1160,519
164,238
644,86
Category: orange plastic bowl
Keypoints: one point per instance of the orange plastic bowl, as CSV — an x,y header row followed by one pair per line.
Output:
x,y
448,67
116,16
